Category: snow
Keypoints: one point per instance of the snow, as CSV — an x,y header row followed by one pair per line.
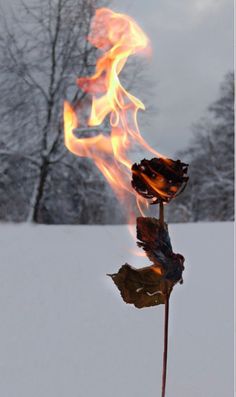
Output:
x,y
65,331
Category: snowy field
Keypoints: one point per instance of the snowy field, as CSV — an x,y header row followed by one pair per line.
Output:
x,y
65,331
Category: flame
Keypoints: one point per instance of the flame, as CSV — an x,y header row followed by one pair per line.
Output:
x,y
118,37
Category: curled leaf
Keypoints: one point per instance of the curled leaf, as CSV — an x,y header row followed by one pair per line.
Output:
x,y
149,286
141,287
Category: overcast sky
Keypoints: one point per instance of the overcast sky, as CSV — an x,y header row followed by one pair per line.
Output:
x,y
192,43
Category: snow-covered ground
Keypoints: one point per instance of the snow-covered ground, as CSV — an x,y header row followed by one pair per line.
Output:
x,y
65,331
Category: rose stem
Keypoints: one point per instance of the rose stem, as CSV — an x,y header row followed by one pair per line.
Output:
x,y
166,319
164,367
161,213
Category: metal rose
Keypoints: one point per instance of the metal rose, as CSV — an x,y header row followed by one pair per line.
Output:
x,y
159,179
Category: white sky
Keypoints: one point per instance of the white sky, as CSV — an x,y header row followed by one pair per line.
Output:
x,y
192,43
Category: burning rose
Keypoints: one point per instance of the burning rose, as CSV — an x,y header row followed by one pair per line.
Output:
x,y
159,179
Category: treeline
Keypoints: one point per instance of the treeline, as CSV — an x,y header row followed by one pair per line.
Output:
x,y
209,195
43,49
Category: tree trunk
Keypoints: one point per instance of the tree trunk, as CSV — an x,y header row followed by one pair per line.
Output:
x,y
39,190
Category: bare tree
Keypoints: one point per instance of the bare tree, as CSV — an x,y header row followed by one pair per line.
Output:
x,y
43,49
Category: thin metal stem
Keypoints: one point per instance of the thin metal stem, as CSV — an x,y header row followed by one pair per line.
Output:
x,y
166,319
161,213
164,367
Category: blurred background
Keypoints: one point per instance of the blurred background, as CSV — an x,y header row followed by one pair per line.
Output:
x,y
187,86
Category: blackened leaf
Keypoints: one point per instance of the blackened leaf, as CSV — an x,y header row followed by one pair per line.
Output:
x,y
155,241
154,236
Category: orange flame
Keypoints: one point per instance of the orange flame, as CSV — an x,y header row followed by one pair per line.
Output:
x,y
118,37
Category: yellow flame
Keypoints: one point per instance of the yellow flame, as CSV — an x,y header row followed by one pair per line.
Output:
x,y
118,36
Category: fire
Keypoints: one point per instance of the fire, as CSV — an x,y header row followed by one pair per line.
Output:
x,y
118,36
